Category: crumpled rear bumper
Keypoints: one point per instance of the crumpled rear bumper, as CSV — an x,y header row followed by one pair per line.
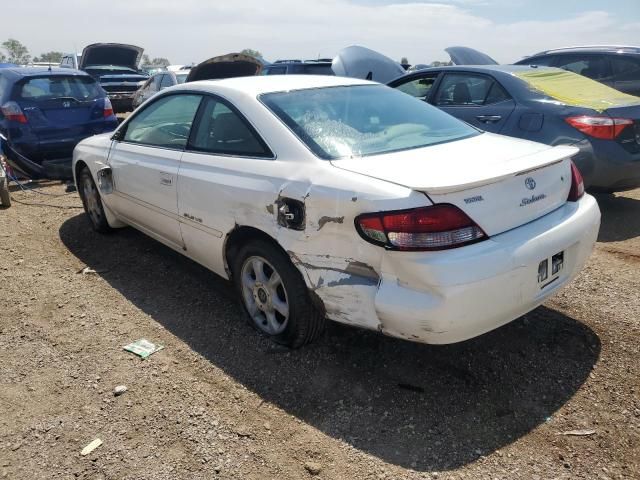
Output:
x,y
447,297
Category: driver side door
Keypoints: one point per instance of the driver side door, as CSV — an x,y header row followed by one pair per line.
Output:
x,y
144,159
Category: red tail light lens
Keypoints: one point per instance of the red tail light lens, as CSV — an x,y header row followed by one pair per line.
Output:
x,y
438,227
12,111
108,109
577,184
605,128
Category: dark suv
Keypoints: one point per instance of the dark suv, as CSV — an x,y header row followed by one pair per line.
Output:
x,y
614,65
299,67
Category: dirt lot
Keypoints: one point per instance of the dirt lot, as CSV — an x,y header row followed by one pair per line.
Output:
x,y
221,402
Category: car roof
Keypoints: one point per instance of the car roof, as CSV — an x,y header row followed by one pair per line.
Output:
x,y
489,69
260,84
321,61
20,72
479,68
590,49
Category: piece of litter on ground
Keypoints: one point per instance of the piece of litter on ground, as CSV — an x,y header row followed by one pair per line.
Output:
x,y
578,433
119,390
91,447
143,348
86,271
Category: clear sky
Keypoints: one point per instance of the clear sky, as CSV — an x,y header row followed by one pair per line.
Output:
x,y
188,31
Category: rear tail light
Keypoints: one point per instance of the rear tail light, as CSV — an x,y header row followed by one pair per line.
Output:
x,y
437,227
108,109
12,111
577,184
605,128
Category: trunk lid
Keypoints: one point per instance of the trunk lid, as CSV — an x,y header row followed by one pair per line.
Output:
x,y
469,56
361,62
226,66
500,182
118,54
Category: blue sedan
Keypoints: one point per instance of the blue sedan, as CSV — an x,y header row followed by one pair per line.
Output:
x,y
543,104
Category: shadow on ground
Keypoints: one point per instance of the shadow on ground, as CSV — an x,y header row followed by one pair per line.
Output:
x,y
620,217
416,406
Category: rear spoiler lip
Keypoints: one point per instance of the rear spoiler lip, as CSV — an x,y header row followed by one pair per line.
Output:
x,y
553,155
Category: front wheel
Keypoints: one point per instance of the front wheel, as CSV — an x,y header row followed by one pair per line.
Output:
x,y
274,295
92,202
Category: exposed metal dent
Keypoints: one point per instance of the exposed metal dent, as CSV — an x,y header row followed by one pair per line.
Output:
x,y
104,178
363,270
326,262
324,220
352,280
345,287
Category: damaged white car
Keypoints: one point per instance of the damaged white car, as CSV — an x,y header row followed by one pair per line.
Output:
x,y
342,199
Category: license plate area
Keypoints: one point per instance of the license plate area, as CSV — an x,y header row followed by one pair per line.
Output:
x,y
549,269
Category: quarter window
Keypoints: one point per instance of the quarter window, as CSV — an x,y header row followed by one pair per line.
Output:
x,y
165,123
625,68
222,130
466,89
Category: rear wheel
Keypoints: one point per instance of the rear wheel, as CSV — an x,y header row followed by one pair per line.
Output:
x,y
92,202
5,198
274,295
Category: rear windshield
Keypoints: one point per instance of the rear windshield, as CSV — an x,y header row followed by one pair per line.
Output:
x,y
48,88
573,89
361,120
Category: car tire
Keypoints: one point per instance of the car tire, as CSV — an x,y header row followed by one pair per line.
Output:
x,y
5,197
92,202
274,295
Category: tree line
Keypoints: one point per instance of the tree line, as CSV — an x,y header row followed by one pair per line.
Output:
x,y
13,51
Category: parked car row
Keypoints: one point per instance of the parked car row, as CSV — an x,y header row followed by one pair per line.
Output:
x,y
494,98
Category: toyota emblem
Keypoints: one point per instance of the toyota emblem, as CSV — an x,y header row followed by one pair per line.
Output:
x,y
530,183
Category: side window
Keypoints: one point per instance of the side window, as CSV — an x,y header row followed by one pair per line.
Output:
x,y
3,87
545,61
469,89
626,68
166,81
276,70
156,81
222,130
165,123
592,66
418,87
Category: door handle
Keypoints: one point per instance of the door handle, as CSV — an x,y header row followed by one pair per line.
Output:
x,y
489,118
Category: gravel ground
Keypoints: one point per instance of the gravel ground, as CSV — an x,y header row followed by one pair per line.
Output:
x,y
221,402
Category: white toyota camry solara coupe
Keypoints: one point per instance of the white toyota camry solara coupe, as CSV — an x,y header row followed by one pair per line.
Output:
x,y
342,199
